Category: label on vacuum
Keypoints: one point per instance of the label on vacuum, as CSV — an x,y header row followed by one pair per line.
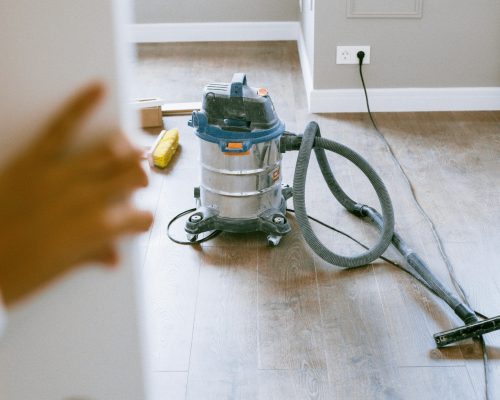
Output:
x,y
275,175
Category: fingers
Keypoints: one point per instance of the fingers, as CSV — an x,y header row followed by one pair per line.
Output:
x,y
100,192
95,180
123,183
68,120
106,157
93,238
126,219
117,222
105,254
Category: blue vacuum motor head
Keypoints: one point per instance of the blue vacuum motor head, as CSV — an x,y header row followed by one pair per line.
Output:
x,y
236,113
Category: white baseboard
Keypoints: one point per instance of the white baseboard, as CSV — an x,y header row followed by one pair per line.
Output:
x,y
322,100
406,99
214,32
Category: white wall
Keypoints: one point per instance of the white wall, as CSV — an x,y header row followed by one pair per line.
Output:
x,y
80,337
163,11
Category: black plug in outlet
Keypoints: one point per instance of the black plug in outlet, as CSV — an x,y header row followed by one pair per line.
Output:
x,y
361,56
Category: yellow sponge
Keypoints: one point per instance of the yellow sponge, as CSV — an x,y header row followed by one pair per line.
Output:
x,y
162,151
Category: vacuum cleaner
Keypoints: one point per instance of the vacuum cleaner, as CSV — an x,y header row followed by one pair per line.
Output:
x,y
242,142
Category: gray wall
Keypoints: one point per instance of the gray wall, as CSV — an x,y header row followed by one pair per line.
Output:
x,y
456,43
157,11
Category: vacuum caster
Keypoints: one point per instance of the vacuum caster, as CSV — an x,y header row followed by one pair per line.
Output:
x,y
192,237
273,240
279,220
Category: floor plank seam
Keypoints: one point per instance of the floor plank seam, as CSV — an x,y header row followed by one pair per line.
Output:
x,y
387,320
150,233
259,361
474,388
168,371
321,322
433,366
194,325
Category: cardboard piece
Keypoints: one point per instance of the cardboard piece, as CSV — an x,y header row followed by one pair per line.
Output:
x,y
150,112
151,117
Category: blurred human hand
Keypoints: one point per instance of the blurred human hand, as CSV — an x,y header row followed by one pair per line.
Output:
x,y
60,209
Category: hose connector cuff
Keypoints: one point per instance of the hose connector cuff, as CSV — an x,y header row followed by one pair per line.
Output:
x,y
359,210
290,142
465,314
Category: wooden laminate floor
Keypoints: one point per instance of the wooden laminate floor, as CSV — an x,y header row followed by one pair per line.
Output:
x,y
235,319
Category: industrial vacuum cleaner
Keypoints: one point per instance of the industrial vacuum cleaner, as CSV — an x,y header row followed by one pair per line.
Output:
x,y
242,141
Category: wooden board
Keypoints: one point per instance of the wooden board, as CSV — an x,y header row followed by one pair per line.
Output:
x,y
178,109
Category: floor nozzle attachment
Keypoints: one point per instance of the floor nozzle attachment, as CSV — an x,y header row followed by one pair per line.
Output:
x,y
467,331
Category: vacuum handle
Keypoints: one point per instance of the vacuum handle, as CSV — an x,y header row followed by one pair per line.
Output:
x,y
235,147
239,80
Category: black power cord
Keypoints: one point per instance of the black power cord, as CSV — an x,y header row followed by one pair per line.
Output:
x,y
439,242
347,236
213,234
388,260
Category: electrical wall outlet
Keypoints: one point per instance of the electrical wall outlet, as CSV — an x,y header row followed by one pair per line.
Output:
x,y
348,54
300,5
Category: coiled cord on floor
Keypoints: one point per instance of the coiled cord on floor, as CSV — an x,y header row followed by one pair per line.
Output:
x,y
451,270
210,236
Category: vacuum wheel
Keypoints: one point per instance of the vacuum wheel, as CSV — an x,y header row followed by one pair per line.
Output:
x,y
273,240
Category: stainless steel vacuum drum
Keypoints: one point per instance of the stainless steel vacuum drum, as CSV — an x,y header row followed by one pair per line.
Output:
x,y
240,188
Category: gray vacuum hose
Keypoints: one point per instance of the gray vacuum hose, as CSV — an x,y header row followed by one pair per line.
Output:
x,y
310,139
419,269
385,222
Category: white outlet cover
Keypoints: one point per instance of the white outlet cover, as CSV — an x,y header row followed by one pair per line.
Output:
x,y
348,54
